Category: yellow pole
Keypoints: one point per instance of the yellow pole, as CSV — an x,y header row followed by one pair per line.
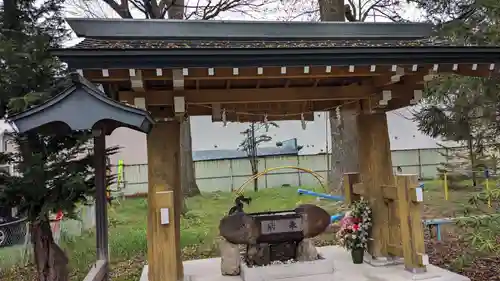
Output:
x,y
119,173
445,185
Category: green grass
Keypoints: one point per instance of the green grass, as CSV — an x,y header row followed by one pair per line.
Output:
x,y
199,227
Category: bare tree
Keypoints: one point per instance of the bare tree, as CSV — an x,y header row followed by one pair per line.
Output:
x,y
252,139
343,127
362,10
173,9
339,10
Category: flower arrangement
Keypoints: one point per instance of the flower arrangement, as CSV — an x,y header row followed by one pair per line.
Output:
x,y
355,226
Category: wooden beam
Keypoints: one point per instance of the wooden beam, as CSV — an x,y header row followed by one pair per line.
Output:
x,y
164,192
279,72
293,94
247,73
350,180
376,171
177,79
292,72
399,97
136,80
308,116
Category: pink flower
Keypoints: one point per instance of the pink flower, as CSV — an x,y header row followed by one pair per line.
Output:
x,y
355,227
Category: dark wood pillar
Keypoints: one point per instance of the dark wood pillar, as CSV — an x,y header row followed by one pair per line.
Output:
x,y
376,170
101,211
164,192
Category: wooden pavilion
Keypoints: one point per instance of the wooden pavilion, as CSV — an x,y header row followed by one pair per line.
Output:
x,y
255,71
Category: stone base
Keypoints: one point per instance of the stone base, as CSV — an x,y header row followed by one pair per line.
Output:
x,y
340,268
144,275
384,261
282,271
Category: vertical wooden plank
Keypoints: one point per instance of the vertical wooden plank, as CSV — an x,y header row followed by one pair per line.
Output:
x,y
375,170
163,175
412,234
349,180
394,225
405,220
417,229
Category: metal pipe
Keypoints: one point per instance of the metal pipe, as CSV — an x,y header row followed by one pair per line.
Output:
x,y
322,195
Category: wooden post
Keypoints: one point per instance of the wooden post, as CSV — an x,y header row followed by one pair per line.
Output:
x,y
164,252
376,171
350,179
412,233
101,214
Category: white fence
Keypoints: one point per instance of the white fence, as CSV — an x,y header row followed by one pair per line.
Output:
x,y
226,175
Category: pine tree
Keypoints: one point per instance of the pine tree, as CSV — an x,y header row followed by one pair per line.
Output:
x,y
52,172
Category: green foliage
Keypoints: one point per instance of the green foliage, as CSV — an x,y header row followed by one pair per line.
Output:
x,y
465,21
56,175
28,31
459,108
52,172
482,232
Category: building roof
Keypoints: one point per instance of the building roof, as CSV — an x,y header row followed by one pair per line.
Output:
x,y
287,148
80,106
223,154
174,43
157,44
244,30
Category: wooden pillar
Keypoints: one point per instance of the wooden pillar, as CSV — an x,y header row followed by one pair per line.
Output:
x,y
376,170
101,213
164,252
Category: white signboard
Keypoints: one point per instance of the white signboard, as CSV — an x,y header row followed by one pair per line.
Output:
x,y
281,226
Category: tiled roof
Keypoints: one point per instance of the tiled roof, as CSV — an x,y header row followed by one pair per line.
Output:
x,y
134,44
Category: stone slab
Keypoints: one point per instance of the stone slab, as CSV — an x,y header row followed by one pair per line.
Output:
x,y
286,271
343,270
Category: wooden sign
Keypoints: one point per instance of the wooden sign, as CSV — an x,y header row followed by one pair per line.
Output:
x,y
281,226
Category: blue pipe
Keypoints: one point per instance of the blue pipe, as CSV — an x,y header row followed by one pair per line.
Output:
x,y
337,217
322,195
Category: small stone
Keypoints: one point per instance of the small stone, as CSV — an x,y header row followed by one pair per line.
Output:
x,y
230,258
306,251
239,228
315,220
259,254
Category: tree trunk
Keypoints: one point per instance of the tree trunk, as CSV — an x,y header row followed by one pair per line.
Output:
x,y
255,171
331,10
343,128
188,176
51,262
335,174
188,182
472,157
254,162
